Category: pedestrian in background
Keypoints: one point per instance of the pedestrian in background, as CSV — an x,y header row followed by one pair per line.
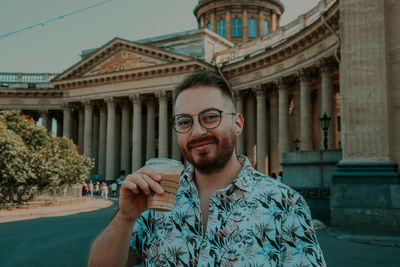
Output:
x,y
104,191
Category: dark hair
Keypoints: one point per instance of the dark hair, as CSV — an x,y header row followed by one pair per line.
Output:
x,y
122,172
205,78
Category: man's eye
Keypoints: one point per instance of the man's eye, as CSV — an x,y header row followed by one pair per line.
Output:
x,y
183,122
210,117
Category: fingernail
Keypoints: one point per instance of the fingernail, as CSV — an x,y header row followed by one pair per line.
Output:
x,y
161,190
159,177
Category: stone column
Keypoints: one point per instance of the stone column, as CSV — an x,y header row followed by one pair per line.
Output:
x,y
261,19
95,140
326,69
283,116
275,164
151,131
162,124
365,186
125,123
213,19
240,149
228,23
88,128
44,114
176,153
110,146
137,132
274,21
81,128
67,120
202,22
251,128
245,24
102,141
305,110
262,160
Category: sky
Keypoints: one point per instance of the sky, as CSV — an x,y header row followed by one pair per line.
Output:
x,y
38,36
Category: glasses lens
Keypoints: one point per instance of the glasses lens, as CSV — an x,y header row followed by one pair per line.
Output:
x,y
210,118
183,123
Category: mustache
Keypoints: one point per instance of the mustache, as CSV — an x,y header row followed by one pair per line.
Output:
x,y
207,138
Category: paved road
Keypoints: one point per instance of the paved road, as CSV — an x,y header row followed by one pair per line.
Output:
x,y
65,241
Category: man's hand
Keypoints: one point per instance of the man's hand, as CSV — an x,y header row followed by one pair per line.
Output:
x,y
135,190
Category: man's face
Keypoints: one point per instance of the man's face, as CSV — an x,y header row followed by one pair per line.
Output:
x,y
207,149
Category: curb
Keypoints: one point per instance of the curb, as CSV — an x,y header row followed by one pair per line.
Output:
x,y
383,240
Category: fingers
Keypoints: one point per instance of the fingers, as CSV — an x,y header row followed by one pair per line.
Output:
x,y
145,180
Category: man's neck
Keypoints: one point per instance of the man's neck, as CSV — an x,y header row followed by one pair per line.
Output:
x,y
212,182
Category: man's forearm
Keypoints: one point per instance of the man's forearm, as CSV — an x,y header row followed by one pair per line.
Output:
x,y
111,247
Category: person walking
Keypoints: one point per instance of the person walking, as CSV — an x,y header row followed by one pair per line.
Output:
x,y
104,191
226,213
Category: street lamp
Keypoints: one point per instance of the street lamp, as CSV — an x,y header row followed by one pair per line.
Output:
x,y
324,120
296,144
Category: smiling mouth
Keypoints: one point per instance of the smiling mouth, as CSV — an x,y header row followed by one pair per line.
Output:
x,y
202,142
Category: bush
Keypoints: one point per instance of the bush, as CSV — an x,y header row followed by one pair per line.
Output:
x,y
31,160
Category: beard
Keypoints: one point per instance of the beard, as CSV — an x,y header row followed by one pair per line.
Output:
x,y
205,161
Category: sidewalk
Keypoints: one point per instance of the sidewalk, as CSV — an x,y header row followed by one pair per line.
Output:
x,y
61,209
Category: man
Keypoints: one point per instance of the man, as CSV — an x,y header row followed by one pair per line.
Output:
x,y
121,178
226,213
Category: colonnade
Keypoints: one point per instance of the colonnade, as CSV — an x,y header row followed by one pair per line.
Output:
x,y
122,133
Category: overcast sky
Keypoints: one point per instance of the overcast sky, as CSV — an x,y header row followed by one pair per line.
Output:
x,y
61,29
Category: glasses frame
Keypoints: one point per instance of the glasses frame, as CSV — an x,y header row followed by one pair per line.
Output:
x,y
173,124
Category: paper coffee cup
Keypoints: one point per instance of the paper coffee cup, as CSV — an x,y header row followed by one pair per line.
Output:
x,y
170,171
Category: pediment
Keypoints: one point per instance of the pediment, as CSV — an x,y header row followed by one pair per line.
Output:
x,y
123,61
119,55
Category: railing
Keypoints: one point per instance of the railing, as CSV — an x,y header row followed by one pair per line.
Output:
x,y
26,77
277,36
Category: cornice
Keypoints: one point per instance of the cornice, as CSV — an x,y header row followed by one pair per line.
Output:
x,y
31,93
134,75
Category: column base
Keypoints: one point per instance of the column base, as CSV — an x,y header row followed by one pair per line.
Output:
x,y
366,173
366,196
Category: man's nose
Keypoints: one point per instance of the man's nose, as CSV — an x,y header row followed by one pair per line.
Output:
x,y
197,128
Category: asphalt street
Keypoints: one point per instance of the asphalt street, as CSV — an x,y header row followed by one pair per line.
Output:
x,y
65,241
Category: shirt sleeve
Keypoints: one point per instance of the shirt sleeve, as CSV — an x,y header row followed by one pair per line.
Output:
x,y
140,233
300,246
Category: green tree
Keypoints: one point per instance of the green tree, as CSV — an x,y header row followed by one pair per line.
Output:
x,y
31,158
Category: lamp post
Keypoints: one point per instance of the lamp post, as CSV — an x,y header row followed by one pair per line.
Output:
x,y
296,143
324,120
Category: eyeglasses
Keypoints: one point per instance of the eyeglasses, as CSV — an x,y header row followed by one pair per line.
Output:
x,y
209,119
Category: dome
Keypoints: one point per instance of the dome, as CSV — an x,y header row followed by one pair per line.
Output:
x,y
239,20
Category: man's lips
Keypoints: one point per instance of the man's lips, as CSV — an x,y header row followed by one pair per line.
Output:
x,y
201,142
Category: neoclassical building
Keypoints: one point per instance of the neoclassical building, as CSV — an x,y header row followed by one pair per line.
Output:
x,y
339,59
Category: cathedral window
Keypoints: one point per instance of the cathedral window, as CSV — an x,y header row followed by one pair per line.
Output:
x,y
236,27
221,28
266,27
252,28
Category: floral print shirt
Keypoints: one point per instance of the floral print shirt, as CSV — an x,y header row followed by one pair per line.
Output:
x,y
255,221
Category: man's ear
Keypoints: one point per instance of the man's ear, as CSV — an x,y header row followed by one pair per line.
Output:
x,y
238,122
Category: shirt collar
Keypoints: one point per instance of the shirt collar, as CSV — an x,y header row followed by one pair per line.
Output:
x,y
241,181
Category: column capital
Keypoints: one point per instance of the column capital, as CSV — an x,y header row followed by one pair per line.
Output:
x,y
259,90
109,100
87,102
238,94
163,94
304,75
282,83
44,111
325,65
66,106
136,98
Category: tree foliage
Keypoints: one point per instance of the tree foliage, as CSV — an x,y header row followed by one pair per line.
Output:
x,y
32,159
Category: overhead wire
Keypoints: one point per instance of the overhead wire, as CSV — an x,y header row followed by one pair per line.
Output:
x,y
54,19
